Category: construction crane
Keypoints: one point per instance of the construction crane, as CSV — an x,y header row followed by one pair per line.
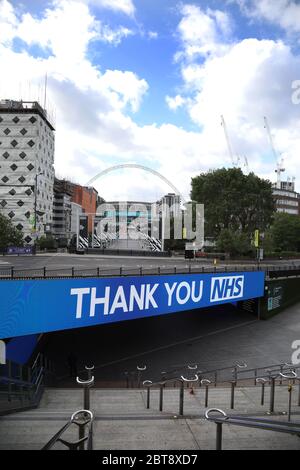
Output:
x,y
279,162
236,160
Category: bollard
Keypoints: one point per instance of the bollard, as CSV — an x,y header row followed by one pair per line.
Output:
x,y
272,393
140,370
233,384
219,436
86,399
161,390
255,376
148,384
181,392
218,426
206,382
263,382
86,391
290,391
292,376
89,371
181,398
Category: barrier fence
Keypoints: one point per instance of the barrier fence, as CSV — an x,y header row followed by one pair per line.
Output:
x,y
45,272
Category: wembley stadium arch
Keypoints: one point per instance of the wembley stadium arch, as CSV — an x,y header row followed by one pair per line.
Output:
x,y
137,167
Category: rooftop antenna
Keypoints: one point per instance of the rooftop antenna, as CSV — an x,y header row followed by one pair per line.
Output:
x,y
45,92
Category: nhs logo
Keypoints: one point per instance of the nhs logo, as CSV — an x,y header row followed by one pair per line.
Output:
x,y
226,288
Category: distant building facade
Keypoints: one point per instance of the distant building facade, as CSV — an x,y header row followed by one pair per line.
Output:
x,y
87,198
70,201
287,200
62,209
27,143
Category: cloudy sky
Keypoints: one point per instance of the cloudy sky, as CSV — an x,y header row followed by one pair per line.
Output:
x,y
146,82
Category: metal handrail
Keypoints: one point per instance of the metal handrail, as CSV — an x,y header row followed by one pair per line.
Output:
x,y
240,369
83,419
258,423
23,382
148,384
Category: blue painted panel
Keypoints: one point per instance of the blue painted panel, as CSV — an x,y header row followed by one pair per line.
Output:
x,y
20,349
35,306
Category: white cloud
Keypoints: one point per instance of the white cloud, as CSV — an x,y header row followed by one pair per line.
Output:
x,y
153,34
285,13
201,32
8,22
244,80
113,36
175,102
125,6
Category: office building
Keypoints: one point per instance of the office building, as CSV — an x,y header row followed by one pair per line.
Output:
x,y
26,166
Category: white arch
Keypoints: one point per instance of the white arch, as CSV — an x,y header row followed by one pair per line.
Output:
x,y
139,167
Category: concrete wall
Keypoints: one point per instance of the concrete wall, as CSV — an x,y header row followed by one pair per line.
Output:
x,y
279,294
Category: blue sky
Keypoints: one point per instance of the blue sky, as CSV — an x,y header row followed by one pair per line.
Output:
x,y
146,81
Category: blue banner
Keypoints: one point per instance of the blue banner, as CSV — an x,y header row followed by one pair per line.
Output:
x,y
36,306
20,250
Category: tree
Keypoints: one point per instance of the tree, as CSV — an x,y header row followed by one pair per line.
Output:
x,y
234,243
233,201
9,235
286,232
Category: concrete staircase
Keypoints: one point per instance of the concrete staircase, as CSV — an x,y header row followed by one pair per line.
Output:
x,y
123,422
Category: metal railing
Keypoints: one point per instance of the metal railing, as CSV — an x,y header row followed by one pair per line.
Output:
x,y
274,375
181,380
272,271
83,419
250,422
238,371
133,377
23,383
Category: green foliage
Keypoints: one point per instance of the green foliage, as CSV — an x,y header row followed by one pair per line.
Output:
x,y
9,235
233,201
47,243
286,232
234,243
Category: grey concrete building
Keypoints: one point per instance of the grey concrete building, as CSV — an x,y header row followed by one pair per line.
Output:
x,y
26,166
